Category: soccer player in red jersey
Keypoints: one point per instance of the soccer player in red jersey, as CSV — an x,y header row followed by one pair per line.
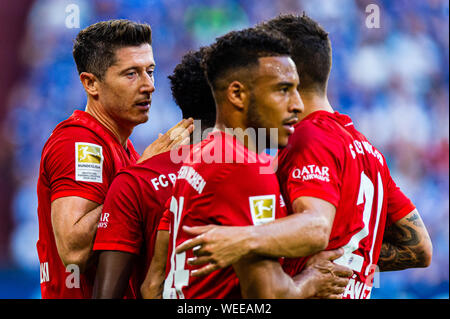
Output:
x,y
225,180
332,178
79,160
136,199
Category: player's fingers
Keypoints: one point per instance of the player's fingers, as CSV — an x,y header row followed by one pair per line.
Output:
x,y
339,282
188,122
163,139
184,123
206,270
200,251
338,290
342,271
186,141
181,137
197,230
179,124
195,261
333,254
326,255
338,296
188,244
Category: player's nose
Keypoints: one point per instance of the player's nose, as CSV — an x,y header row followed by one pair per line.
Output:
x,y
147,84
296,105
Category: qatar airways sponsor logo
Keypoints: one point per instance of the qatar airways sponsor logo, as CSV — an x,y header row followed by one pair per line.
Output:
x,y
103,222
309,172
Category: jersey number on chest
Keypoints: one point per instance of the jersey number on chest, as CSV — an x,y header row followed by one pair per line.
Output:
x,y
178,277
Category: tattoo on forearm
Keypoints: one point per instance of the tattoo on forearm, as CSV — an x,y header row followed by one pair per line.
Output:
x,y
397,250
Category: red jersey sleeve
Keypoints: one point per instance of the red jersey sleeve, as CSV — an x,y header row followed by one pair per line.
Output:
x,y
248,197
120,227
164,223
315,168
77,164
398,204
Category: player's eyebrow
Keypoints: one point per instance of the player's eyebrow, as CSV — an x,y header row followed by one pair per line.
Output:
x,y
285,83
135,67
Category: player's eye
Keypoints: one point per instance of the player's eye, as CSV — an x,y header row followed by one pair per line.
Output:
x,y
131,74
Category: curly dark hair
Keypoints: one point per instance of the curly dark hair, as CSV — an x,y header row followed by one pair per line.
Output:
x,y
95,46
191,90
241,49
311,48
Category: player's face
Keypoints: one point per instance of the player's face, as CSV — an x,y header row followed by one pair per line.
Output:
x,y
127,87
275,101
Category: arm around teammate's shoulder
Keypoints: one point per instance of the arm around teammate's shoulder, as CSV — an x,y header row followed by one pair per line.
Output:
x,y
303,233
261,277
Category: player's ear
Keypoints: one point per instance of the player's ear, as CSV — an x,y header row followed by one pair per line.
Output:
x,y
238,94
90,83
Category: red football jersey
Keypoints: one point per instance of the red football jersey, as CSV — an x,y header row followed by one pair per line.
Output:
x,y
217,192
132,210
329,159
80,158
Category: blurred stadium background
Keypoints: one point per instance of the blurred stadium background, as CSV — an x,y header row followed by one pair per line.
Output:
x,y
392,80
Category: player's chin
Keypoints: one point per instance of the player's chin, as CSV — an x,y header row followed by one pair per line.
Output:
x,y
283,140
140,118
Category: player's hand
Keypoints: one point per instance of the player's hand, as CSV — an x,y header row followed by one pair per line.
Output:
x,y
215,246
327,279
176,136
149,292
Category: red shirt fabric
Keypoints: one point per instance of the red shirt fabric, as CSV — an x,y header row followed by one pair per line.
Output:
x,y
132,210
328,158
222,193
80,158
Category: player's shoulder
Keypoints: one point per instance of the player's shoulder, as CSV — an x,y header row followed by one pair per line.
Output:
x,y
317,132
71,130
317,124
79,133
155,166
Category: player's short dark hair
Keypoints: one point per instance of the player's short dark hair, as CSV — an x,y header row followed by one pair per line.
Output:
x,y
95,46
311,48
191,90
241,49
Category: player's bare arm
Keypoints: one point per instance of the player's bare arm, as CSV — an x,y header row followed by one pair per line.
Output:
x,y
177,135
152,287
406,244
113,271
261,277
74,221
301,234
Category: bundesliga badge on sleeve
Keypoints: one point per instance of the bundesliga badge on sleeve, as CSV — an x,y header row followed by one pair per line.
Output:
x,y
262,209
88,162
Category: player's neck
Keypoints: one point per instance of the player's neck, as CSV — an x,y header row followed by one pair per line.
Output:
x,y
239,132
122,133
314,102
231,121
